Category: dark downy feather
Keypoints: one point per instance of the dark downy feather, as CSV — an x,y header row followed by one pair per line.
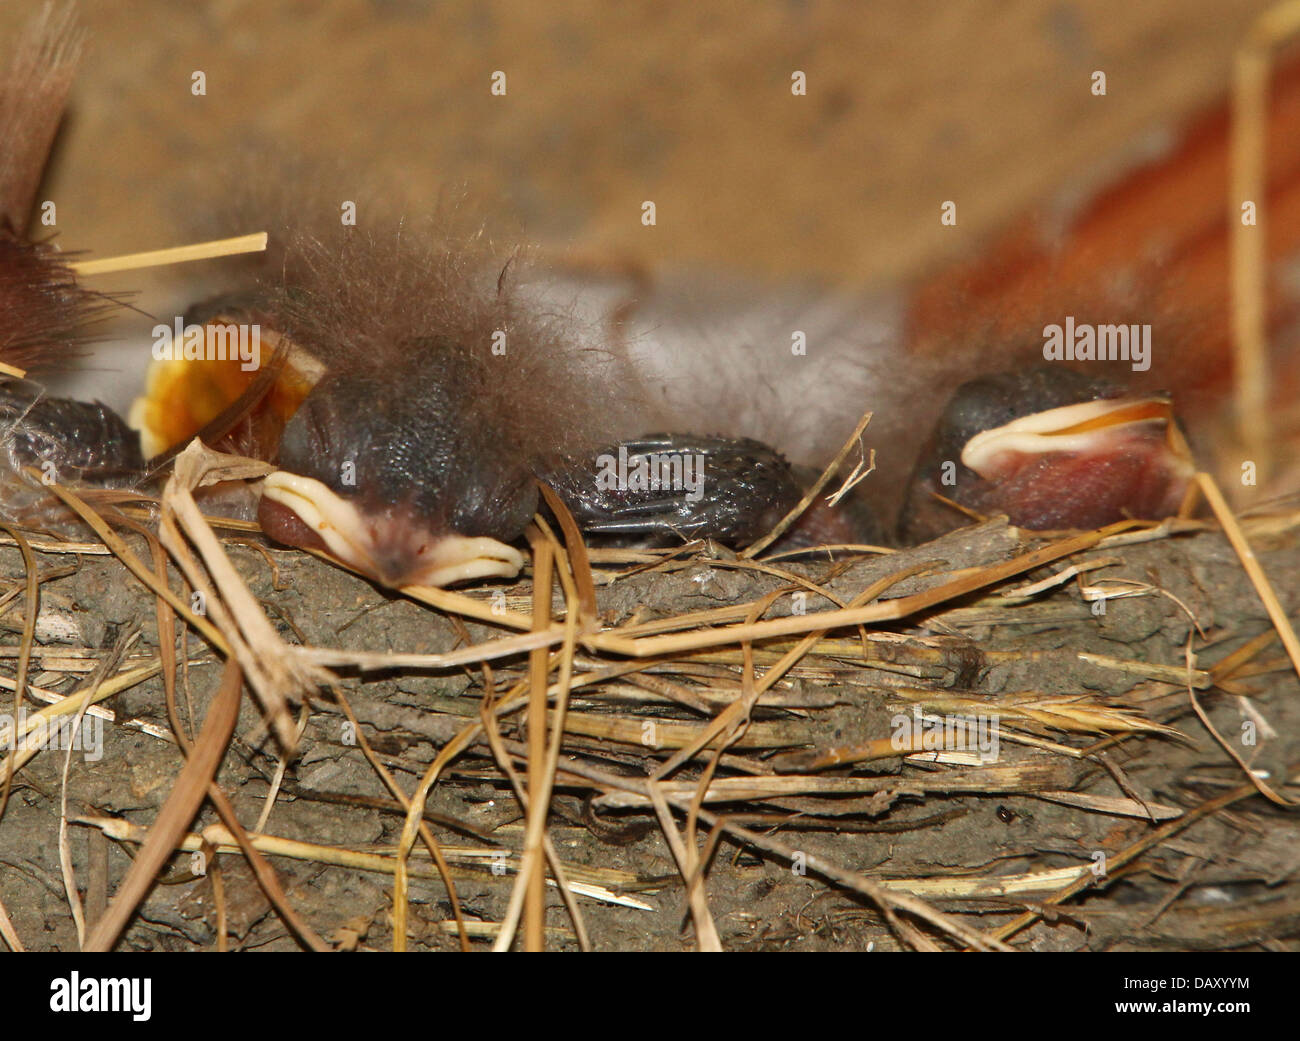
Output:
x,y
424,301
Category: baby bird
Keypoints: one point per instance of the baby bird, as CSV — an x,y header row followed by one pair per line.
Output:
x,y
437,397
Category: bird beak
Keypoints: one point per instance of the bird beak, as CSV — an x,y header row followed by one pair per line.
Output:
x,y
1084,465
1089,428
183,396
392,548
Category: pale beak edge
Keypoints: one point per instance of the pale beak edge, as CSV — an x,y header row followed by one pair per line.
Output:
x,y
351,537
1072,428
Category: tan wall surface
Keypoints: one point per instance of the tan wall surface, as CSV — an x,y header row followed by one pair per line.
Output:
x,y
608,104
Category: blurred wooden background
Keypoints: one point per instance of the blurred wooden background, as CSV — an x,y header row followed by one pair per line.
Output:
x,y
986,102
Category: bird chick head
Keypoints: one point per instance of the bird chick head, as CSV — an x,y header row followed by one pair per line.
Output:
x,y
398,476
1050,448
413,458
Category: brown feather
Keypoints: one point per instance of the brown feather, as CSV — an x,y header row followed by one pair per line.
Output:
x,y
44,311
33,92
426,297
